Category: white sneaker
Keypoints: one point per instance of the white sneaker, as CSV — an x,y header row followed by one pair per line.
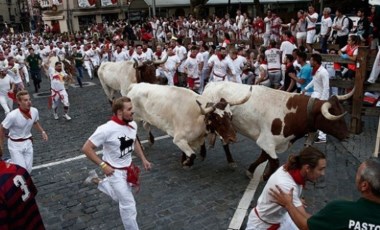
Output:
x,y
91,175
55,116
67,117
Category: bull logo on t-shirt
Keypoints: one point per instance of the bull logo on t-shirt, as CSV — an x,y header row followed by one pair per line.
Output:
x,y
125,146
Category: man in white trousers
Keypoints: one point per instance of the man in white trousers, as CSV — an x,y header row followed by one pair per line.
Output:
x,y
119,140
308,165
19,122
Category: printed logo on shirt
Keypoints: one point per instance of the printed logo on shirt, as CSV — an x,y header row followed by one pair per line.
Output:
x,y
357,225
125,146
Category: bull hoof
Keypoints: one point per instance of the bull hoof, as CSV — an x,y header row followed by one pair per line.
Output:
x,y
249,174
189,161
232,165
151,139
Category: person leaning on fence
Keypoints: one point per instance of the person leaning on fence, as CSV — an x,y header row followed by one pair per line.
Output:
x,y
341,214
350,52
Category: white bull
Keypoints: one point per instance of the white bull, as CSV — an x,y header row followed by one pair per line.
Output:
x,y
275,119
118,76
181,114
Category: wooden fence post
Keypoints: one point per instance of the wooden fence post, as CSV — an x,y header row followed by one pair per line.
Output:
x,y
357,100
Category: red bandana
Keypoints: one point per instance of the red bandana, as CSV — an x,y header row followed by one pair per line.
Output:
x,y
131,52
25,112
297,177
120,122
315,69
220,57
158,54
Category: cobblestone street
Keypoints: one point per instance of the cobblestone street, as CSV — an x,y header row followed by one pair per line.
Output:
x,y
204,197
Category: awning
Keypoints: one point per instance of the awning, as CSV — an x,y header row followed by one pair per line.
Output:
x,y
221,2
168,3
176,3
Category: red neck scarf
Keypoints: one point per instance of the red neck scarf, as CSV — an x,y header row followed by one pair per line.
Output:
x,y
297,177
120,122
131,52
158,54
25,112
315,69
220,57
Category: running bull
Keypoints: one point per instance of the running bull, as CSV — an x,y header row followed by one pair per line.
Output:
x,y
184,115
275,119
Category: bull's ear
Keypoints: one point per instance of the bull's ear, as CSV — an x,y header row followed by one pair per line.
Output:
x,y
209,104
223,100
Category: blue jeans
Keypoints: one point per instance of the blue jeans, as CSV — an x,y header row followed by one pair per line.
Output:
x,y
79,75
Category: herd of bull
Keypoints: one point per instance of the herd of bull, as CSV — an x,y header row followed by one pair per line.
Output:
x,y
273,118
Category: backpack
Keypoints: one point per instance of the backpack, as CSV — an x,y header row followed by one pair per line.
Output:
x,y
350,23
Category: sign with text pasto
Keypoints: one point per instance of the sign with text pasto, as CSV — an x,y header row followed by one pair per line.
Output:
x,y
86,3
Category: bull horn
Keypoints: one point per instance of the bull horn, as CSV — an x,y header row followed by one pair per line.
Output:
x,y
206,110
243,100
346,96
325,112
137,64
161,62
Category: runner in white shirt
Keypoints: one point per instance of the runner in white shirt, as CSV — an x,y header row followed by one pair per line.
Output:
x,y
311,19
6,86
220,66
148,51
13,71
273,57
139,55
58,92
320,84
181,52
20,59
88,53
238,62
309,165
170,66
19,123
119,140
119,55
193,67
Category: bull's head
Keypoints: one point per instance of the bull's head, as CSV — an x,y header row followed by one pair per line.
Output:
x,y
332,121
146,71
218,118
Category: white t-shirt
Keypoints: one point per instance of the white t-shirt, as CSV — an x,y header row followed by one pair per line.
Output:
x,y
15,73
5,85
181,52
220,67
326,23
321,84
18,125
274,59
122,56
171,62
270,211
192,67
118,142
57,84
311,24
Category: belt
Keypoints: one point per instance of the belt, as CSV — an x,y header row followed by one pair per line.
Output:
x,y
272,226
21,139
218,75
311,28
274,70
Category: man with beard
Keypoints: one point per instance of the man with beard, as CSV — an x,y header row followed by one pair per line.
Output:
x,y
361,214
58,92
119,139
309,165
220,66
19,123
